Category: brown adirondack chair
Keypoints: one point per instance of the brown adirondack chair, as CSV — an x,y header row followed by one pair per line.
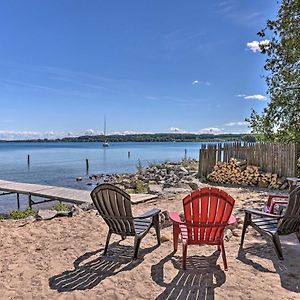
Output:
x,y
114,206
272,226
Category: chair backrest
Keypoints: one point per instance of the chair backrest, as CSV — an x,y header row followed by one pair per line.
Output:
x,y
291,220
114,206
207,212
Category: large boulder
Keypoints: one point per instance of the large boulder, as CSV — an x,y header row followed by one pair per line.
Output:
x,y
155,189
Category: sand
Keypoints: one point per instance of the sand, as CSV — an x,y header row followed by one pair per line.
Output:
x,y
62,259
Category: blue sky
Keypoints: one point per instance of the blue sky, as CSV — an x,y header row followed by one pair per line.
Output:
x,y
149,66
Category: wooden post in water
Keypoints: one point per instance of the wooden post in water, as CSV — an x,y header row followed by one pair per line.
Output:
x,y
28,160
185,154
87,166
128,154
18,201
29,201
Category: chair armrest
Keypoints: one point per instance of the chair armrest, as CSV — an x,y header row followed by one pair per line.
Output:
x,y
175,218
148,214
261,213
278,196
271,208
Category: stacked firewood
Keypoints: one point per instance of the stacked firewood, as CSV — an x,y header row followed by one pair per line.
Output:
x,y
238,172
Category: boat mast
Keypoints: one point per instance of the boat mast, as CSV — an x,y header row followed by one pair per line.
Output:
x,y
104,128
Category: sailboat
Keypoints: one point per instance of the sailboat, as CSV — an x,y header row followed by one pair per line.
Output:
x,y
105,144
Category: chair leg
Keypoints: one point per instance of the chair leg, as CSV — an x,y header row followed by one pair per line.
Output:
x,y
246,223
157,228
107,241
184,255
224,257
137,242
175,236
277,245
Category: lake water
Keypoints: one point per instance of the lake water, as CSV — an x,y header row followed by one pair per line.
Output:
x,y
60,163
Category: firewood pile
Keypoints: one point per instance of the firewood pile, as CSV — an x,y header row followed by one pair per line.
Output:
x,y
238,172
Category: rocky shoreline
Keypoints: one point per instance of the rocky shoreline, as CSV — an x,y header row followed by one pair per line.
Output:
x,y
161,179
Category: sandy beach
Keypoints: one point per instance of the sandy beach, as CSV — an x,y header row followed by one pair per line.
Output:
x,y
62,259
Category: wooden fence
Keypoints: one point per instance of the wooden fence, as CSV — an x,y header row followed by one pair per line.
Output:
x,y
275,158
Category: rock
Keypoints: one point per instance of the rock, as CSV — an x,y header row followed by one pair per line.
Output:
x,y
227,234
183,186
155,189
184,170
164,219
30,219
193,185
236,232
165,237
46,214
86,206
75,210
78,178
240,226
173,190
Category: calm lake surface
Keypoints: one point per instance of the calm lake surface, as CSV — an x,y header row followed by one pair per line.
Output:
x,y
60,163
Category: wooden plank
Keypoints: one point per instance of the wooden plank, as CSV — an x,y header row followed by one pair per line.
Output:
x,y
60,193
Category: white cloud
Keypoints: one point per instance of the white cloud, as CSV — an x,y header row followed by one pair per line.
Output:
x,y
89,132
239,123
254,46
207,83
175,129
253,97
27,135
211,130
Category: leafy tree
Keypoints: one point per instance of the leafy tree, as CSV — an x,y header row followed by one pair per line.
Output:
x,y
250,138
280,120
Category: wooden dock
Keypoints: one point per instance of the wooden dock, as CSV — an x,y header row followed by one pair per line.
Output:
x,y
53,193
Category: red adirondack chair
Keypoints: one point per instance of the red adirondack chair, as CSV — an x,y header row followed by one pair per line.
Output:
x,y
207,211
273,200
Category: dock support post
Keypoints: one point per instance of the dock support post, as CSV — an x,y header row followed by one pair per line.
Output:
x,y
18,201
28,160
29,201
128,154
87,166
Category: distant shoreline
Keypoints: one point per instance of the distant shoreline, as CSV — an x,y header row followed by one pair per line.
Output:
x,y
158,137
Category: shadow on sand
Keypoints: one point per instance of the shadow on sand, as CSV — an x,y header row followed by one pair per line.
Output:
x,y
89,270
288,269
198,281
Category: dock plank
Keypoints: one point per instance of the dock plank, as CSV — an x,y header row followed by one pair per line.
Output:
x,y
60,193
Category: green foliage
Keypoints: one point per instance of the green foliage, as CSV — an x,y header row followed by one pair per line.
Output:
x,y
59,206
250,138
140,187
280,120
155,137
130,191
21,214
